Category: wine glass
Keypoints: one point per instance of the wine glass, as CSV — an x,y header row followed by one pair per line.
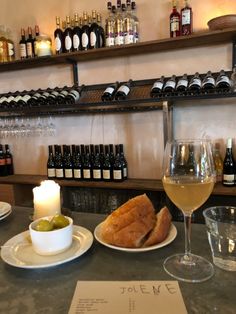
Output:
x,y
188,180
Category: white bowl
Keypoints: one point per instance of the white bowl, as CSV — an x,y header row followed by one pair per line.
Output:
x,y
51,242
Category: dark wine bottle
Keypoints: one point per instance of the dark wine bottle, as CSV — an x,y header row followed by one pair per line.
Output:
x,y
9,160
3,166
182,84
77,171
51,171
36,29
117,167
61,97
59,166
68,35
74,95
92,152
101,151
94,32
97,166
208,82
195,83
30,44
58,37
22,43
170,85
76,34
123,161
33,101
87,165
85,33
111,153
223,81
123,91
101,32
82,152
107,166
157,87
229,165
68,164
51,99
109,92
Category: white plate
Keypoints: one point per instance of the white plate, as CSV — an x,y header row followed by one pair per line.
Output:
x,y
171,236
18,251
5,215
4,208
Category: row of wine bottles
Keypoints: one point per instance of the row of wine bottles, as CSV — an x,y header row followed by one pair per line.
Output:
x,y
28,45
6,161
66,96
181,22
87,162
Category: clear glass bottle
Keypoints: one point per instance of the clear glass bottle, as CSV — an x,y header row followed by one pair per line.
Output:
x,y
136,28
10,46
119,30
218,162
110,27
3,45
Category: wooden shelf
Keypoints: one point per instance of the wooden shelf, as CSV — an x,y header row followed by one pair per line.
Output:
x,y
205,38
130,184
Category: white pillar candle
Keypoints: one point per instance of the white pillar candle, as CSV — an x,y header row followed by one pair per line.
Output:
x,y
47,200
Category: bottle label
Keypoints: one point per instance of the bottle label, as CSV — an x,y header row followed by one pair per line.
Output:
x,y
76,41
209,80
110,41
8,161
109,90
117,174
170,84
125,172
10,49
186,17
2,162
158,85
97,173
182,82
10,99
68,173
93,39
123,88
54,93
106,174
57,43
45,94
87,173
26,98
228,179
23,51
68,42
17,98
77,173
2,99
36,96
59,173
51,173
85,40
223,79
129,37
174,24
119,39
64,93
29,49
75,95
195,81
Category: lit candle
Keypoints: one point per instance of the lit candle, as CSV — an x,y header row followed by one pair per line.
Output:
x,y
47,199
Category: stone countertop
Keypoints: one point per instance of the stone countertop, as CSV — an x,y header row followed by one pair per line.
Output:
x,y
50,290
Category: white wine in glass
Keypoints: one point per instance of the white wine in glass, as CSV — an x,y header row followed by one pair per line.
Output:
x,y
188,180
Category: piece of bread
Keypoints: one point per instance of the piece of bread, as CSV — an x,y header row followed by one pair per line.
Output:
x,y
129,224
161,229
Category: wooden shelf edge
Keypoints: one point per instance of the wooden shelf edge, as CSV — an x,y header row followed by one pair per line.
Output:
x,y
204,38
130,184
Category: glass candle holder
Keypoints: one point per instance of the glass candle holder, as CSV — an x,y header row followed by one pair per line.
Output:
x,y
43,46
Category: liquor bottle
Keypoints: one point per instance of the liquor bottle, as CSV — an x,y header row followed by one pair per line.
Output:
x,y
73,96
123,161
111,154
136,29
59,166
117,167
182,84
3,166
58,37
9,160
128,25
229,165
87,165
36,29
110,27
157,87
93,32
170,85
77,161
4,44
109,92
101,32
119,30
85,33
30,44
76,34
223,81
68,35
22,43
208,82
107,166
97,166
195,83
10,46
123,91
51,171
186,19
218,162
174,21
68,164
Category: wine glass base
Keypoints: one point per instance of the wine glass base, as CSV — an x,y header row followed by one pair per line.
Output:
x,y
193,269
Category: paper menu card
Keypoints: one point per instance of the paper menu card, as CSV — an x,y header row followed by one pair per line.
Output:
x,y
127,297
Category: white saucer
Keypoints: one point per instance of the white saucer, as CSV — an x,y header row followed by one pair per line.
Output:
x,y
6,215
5,208
171,236
18,251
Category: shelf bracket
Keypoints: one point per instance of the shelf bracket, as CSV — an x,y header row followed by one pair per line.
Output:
x,y
167,110
75,71
234,54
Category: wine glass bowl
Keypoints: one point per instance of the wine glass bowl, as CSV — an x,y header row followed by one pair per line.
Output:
x,y
188,180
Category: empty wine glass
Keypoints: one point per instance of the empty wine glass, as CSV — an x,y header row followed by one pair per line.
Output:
x,y
188,180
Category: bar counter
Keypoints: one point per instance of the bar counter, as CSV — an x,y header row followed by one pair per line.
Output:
x,y
50,290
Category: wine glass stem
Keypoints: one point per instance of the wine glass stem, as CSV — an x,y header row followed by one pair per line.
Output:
x,y
187,231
